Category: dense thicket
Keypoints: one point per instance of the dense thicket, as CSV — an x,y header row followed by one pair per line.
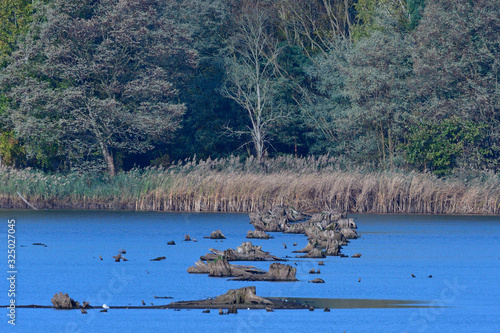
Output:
x,y
111,84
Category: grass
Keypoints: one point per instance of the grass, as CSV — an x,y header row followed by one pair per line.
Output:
x,y
237,185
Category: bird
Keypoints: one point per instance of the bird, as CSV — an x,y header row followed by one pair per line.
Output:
x,y
413,276
100,257
429,276
359,280
143,303
295,263
105,306
284,245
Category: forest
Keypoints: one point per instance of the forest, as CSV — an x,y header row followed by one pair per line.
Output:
x,y
109,87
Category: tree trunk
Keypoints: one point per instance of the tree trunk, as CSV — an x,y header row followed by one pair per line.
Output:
x,y
108,157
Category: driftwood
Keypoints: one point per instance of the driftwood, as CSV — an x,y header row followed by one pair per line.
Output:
x,y
63,301
314,253
245,252
349,233
26,201
218,269
158,259
242,296
217,235
277,272
275,220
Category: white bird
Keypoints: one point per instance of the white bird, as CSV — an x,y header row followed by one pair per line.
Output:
x,y
105,306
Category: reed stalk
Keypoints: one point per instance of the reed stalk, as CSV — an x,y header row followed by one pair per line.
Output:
x,y
237,185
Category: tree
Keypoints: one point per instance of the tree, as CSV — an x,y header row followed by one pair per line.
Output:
x,y
252,72
98,78
361,102
457,66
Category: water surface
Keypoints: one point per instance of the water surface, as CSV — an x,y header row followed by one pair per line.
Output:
x,y
460,252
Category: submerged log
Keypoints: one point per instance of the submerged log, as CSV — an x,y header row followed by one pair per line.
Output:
x,y
63,301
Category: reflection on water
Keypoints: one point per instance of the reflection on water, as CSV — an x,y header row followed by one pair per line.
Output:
x,y
354,303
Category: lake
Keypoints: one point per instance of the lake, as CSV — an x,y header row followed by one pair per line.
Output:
x,y
462,253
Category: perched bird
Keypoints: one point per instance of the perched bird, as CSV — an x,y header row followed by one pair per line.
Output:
x,y
143,303
105,306
413,276
284,245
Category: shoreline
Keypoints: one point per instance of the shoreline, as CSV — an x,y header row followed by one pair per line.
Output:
x,y
13,204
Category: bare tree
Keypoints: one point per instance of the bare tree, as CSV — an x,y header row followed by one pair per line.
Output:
x,y
252,73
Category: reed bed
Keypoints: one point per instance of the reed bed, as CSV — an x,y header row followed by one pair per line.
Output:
x,y
238,185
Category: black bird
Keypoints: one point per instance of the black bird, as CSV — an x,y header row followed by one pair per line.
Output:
x,y
413,276
429,276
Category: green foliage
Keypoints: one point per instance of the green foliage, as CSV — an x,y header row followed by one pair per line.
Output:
x,y
11,152
438,147
15,17
415,9
101,77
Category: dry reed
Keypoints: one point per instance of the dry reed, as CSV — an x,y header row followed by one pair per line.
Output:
x,y
236,185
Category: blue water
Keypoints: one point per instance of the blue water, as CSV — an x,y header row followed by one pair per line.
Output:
x,y
462,253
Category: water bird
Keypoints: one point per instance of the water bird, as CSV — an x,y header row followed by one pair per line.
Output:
x,y
413,276
143,303
429,276
359,280
284,245
295,263
104,306
100,257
